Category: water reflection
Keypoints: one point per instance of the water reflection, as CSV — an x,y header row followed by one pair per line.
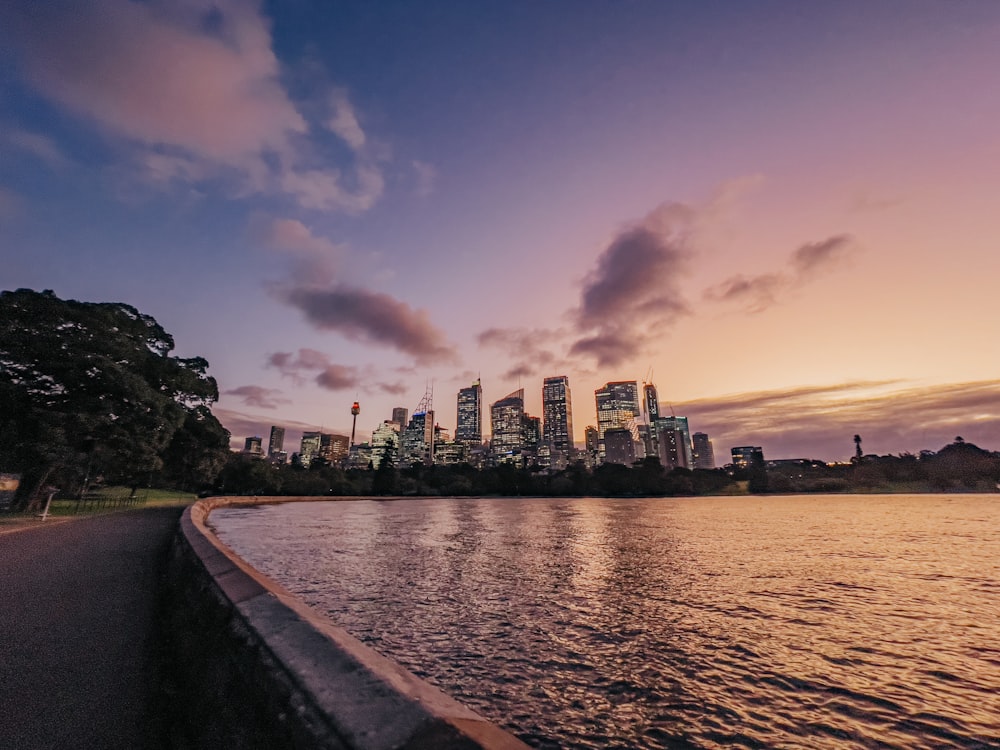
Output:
x,y
785,622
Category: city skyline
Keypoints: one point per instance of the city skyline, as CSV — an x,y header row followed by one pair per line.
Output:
x,y
783,214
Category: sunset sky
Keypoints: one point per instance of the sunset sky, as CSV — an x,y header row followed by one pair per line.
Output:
x,y
787,212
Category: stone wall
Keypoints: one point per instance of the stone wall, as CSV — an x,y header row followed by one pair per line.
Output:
x,y
255,668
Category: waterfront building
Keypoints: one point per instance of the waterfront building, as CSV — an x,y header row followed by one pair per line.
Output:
x,y
399,415
385,439
417,441
359,456
673,438
507,426
449,452
617,408
619,446
557,427
277,441
309,448
702,451
333,448
745,456
590,446
469,429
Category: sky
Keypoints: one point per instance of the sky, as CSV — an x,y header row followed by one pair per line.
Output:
x,y
786,215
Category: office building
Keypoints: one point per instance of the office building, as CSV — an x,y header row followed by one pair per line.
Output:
x,y
507,425
309,448
617,408
399,415
673,438
746,456
619,446
702,451
252,446
417,441
470,415
557,425
277,442
385,442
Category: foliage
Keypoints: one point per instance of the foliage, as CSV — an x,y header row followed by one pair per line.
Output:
x,y
90,389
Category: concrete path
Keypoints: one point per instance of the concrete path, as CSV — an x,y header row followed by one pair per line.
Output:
x,y
81,662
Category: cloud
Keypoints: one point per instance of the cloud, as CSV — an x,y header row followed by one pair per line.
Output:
x,y
312,256
529,349
757,293
338,378
363,315
634,292
40,146
815,256
344,121
820,421
255,395
327,374
195,87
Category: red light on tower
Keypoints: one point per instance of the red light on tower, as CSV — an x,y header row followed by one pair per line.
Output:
x,y
355,410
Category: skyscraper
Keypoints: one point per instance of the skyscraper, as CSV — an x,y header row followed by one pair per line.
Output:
x,y
399,415
617,408
309,447
557,414
469,431
252,446
704,453
673,438
277,442
507,425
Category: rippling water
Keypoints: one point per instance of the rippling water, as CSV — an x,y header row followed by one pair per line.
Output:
x,y
830,621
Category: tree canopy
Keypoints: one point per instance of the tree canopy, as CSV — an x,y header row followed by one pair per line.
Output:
x,y
91,389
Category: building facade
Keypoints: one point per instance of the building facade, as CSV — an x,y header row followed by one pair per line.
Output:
x,y
557,424
703,451
469,430
276,444
617,408
507,426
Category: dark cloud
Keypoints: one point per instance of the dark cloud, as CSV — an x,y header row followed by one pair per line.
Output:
x,y
813,256
529,349
255,395
757,293
634,293
363,315
820,422
338,378
327,374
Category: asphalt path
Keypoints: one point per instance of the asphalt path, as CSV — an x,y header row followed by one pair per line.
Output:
x,y
82,662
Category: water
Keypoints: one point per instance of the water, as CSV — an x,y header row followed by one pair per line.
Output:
x,y
792,622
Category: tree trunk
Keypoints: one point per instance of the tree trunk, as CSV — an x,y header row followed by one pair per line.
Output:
x,y
29,495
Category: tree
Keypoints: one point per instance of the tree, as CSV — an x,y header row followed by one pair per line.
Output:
x,y
90,389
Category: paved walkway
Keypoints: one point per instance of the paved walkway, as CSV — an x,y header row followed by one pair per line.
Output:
x,y
81,663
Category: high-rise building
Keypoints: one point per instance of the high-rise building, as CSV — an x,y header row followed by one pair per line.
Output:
x,y
557,412
333,448
507,425
673,439
309,447
651,401
590,444
619,446
703,452
385,442
252,446
399,415
470,415
747,456
617,408
277,442
417,441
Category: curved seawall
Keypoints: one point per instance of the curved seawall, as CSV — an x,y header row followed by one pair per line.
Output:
x,y
257,668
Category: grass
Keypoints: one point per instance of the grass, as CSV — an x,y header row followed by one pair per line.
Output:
x,y
103,500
